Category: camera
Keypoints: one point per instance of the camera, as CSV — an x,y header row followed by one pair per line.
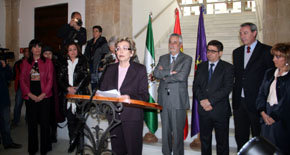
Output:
x,y
79,22
6,55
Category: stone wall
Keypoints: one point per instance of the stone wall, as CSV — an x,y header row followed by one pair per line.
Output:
x,y
276,21
12,26
114,17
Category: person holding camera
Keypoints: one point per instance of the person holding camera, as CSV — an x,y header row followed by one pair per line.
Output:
x,y
5,77
73,31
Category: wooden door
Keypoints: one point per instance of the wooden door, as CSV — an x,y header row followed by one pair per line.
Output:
x,y
48,20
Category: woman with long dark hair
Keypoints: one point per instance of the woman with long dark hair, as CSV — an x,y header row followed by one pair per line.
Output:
x,y
36,79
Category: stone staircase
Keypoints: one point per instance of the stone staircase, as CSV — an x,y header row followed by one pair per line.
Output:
x,y
222,27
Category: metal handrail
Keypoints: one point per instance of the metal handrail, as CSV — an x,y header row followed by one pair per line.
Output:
x,y
198,4
205,3
161,12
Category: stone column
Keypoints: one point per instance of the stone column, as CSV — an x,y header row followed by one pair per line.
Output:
x,y
12,26
115,17
126,27
276,21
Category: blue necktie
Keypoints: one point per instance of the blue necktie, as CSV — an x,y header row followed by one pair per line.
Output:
x,y
210,71
172,64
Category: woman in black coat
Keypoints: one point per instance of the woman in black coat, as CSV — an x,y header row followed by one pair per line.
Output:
x,y
73,78
273,100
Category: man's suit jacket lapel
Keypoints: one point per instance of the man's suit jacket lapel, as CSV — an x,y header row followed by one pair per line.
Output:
x,y
167,60
178,60
241,58
204,73
255,55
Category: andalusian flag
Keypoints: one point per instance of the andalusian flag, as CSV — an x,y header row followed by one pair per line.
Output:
x,y
177,30
150,116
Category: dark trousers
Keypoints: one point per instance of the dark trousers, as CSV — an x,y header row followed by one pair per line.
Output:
x,y
72,122
245,121
53,124
5,125
221,126
38,113
128,139
17,107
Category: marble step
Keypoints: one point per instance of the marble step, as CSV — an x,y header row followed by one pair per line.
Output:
x,y
237,16
231,41
227,55
228,49
211,23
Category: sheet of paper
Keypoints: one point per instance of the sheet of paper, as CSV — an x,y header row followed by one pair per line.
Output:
x,y
109,93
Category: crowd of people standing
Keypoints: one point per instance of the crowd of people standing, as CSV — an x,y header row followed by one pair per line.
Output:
x,y
259,79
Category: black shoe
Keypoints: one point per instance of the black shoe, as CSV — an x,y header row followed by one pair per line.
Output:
x,y
13,146
13,126
53,140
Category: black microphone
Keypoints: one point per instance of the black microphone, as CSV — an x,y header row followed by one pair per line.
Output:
x,y
81,84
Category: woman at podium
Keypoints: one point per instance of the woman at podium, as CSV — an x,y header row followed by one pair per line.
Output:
x,y
130,79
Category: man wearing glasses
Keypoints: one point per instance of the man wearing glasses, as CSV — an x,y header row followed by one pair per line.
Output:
x,y
212,85
172,71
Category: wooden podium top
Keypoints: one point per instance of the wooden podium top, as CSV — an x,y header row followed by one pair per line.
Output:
x,y
128,102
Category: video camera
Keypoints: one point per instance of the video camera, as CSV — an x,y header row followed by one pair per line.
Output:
x,y
6,55
79,22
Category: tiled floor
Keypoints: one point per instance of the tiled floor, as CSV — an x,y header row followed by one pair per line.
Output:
x,y
19,135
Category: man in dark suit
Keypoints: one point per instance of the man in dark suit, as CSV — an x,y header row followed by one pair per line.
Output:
x,y
250,63
212,85
172,71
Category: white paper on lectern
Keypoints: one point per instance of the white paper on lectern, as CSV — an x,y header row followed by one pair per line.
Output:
x,y
109,93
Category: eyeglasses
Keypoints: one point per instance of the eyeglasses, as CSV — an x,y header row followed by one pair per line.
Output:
x,y
211,51
278,56
124,49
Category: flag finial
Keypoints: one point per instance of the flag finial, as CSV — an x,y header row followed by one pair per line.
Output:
x,y
150,14
202,9
176,12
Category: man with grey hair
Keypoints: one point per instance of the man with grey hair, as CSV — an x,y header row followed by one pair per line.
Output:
x,y
250,61
172,70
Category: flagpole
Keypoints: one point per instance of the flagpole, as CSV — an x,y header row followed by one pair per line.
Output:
x,y
200,56
150,116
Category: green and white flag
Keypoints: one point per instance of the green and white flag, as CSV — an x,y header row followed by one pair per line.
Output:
x,y
150,116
